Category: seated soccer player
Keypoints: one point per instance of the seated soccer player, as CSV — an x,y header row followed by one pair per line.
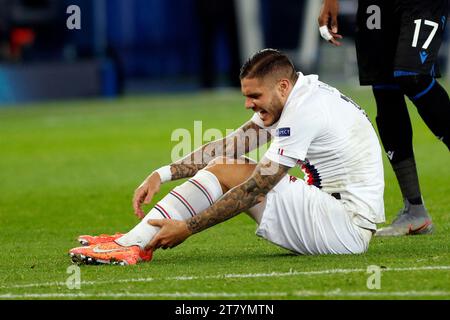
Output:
x,y
334,210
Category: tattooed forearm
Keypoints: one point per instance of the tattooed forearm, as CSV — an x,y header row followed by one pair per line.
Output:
x,y
247,138
192,163
180,171
243,140
240,198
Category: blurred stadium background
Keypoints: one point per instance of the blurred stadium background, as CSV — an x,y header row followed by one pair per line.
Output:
x,y
148,46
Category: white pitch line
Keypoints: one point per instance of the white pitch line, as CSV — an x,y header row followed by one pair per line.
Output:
x,y
339,293
59,284
145,295
228,276
299,294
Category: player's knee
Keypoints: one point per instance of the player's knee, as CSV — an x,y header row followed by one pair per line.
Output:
x,y
223,160
231,172
218,161
218,167
415,86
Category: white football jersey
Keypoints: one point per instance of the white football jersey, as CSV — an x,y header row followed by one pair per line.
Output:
x,y
335,144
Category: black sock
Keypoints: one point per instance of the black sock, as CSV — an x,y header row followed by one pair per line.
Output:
x,y
406,173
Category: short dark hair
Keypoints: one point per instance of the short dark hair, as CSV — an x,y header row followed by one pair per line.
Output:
x,y
268,61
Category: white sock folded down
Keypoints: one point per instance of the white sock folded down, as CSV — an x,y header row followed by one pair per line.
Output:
x,y
183,202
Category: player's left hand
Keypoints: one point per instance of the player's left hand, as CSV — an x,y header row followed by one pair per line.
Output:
x,y
172,233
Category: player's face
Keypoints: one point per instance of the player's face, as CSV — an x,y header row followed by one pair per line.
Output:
x,y
263,98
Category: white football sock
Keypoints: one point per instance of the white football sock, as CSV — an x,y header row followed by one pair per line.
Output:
x,y
183,202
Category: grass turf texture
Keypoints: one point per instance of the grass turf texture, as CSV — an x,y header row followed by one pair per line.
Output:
x,y
70,168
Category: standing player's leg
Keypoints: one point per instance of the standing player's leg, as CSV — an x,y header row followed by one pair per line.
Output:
x,y
183,202
432,102
395,131
386,33
415,70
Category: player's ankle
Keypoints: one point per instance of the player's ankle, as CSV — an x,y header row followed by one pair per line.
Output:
x,y
415,201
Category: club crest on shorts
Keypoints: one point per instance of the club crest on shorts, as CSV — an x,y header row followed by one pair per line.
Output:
x,y
283,132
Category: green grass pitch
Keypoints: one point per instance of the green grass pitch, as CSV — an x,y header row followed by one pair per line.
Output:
x,y
70,168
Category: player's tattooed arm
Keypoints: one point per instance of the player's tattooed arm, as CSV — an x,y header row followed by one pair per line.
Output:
x,y
245,139
242,197
184,170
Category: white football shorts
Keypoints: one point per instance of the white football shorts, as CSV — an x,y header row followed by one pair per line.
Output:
x,y
306,220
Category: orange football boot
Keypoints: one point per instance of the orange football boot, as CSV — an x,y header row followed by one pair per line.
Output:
x,y
87,240
110,253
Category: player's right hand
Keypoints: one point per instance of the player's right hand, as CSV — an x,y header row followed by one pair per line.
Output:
x,y
328,25
145,192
